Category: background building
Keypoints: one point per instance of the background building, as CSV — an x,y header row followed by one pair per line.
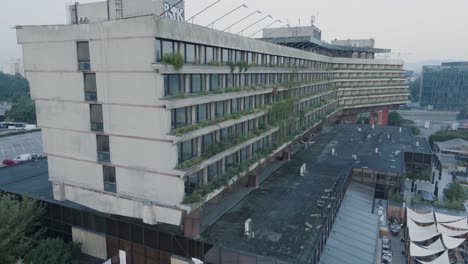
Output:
x,y
14,66
445,87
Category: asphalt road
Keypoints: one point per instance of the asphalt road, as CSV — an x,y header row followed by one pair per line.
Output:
x,y
20,144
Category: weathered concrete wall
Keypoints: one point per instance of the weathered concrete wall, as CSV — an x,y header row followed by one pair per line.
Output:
x,y
77,173
91,243
94,12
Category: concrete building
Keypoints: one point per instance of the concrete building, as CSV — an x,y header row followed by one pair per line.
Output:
x,y
444,88
129,134
358,43
14,66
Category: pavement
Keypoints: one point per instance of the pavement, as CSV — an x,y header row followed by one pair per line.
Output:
x,y
13,146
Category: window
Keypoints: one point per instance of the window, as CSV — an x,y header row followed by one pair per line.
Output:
x,y
224,133
203,112
230,161
230,81
214,170
258,100
247,103
207,141
84,59
239,56
209,55
251,125
181,117
235,105
187,150
196,83
220,109
214,82
242,80
191,53
90,87
249,58
254,80
97,123
225,56
174,84
166,47
240,129
110,184
103,148
259,59
193,181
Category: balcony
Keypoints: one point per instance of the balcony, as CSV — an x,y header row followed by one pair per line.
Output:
x,y
104,156
97,126
91,96
84,65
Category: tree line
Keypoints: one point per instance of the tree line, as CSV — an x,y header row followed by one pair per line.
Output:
x,y
15,89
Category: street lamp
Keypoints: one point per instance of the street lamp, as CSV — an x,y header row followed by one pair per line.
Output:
x,y
266,27
230,12
253,13
269,16
208,7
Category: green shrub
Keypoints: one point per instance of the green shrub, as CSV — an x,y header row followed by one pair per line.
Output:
x,y
175,59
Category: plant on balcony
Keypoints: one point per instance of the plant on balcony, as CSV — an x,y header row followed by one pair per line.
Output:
x,y
175,59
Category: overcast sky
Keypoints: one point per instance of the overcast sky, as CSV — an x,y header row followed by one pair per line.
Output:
x,y
420,30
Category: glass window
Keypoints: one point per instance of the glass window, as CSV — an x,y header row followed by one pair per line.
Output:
x,y
103,148
251,125
254,80
239,56
259,59
196,83
235,105
187,150
207,142
242,80
272,78
167,47
220,109
214,82
209,55
203,112
214,170
240,129
225,56
249,57
174,84
180,117
247,103
193,181
264,78
110,184
225,133
83,56
230,81
190,53
90,87
230,161
258,100
97,123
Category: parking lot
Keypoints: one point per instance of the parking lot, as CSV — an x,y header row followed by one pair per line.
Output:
x,y
20,144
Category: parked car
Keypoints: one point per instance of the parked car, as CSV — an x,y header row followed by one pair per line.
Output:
x,y
19,159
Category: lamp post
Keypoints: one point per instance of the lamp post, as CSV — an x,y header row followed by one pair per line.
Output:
x,y
258,21
253,13
206,8
266,27
230,12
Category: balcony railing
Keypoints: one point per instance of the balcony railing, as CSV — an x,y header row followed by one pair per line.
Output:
x,y
104,156
84,65
97,126
91,96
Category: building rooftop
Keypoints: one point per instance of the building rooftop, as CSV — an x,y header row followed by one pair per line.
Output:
x,y
284,203
456,145
354,235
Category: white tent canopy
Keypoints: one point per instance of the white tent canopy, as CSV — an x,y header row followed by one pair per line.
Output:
x,y
460,224
419,233
442,259
437,245
420,218
449,232
451,243
417,251
443,218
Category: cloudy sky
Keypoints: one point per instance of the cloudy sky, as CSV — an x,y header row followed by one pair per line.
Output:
x,y
416,30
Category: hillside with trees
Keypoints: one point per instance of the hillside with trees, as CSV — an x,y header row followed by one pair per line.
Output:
x,y
15,89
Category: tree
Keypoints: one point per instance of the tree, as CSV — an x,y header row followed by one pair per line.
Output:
x,y
19,227
455,192
463,114
12,87
54,250
23,110
395,119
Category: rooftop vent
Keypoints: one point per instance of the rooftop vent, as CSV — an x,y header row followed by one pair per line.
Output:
x,y
248,228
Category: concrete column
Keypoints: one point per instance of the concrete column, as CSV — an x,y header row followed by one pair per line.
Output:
x,y
371,118
385,116
379,117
